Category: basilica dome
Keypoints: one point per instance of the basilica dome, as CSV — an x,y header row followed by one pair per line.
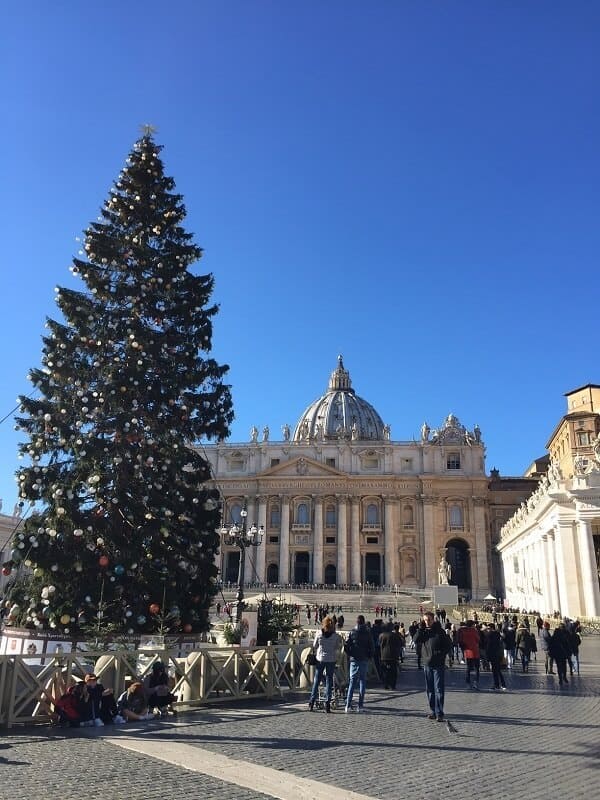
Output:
x,y
340,414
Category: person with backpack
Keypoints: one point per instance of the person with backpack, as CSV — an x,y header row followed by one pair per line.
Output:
x,y
359,647
523,645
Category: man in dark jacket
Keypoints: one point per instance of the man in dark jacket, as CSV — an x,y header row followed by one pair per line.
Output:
x,y
359,646
435,647
390,646
560,650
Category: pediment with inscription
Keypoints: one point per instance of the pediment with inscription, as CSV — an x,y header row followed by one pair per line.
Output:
x,y
301,467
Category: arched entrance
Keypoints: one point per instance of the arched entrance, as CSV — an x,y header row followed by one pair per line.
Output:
x,y
302,567
457,555
373,568
232,566
272,573
330,575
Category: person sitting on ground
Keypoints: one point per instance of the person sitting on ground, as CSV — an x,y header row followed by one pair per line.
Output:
x,y
100,707
158,690
133,705
70,705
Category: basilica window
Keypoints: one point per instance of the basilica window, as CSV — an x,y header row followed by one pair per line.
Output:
x,y
275,517
408,518
330,516
372,515
302,514
456,516
453,461
235,513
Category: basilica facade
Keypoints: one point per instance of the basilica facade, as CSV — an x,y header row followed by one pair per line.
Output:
x,y
340,502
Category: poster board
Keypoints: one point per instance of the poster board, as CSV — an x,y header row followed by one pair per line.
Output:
x,y
445,596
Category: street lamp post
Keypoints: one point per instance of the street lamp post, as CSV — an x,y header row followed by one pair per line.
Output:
x,y
243,537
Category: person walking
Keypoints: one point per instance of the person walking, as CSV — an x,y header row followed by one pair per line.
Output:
x,y
509,637
390,646
359,646
495,654
545,637
327,645
560,650
523,645
468,638
435,646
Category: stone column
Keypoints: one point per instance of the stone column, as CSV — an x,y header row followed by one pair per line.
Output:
x,y
483,579
251,552
284,541
390,571
567,564
342,540
552,578
261,554
543,562
318,541
431,556
589,573
355,572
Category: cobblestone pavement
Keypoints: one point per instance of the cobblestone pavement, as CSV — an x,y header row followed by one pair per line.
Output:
x,y
535,735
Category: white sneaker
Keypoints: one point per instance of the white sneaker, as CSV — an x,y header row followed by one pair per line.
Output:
x,y
87,723
98,723
119,720
360,710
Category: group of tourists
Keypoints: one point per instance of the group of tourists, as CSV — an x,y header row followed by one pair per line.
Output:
x,y
319,612
88,703
488,647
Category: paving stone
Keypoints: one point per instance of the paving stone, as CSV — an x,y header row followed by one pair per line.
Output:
x,y
391,751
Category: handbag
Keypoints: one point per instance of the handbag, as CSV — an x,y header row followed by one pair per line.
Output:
x,y
311,659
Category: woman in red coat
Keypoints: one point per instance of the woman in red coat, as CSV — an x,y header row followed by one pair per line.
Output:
x,y
468,638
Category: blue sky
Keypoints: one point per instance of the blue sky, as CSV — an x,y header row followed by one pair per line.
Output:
x,y
411,184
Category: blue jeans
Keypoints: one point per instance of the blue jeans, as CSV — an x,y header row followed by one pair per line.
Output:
x,y
327,667
358,675
434,686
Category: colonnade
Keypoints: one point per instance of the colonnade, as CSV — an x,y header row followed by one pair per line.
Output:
x,y
557,568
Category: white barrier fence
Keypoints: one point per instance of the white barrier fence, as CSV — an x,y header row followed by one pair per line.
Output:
x,y
28,686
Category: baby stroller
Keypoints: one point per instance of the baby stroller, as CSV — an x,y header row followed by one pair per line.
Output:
x,y
338,696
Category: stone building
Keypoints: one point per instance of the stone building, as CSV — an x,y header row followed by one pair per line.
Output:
x,y
342,503
550,548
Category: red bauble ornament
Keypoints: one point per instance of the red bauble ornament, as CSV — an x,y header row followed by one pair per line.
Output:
x,y
154,608
103,561
187,628
6,570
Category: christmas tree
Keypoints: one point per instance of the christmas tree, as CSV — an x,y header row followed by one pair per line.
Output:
x,y
123,533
